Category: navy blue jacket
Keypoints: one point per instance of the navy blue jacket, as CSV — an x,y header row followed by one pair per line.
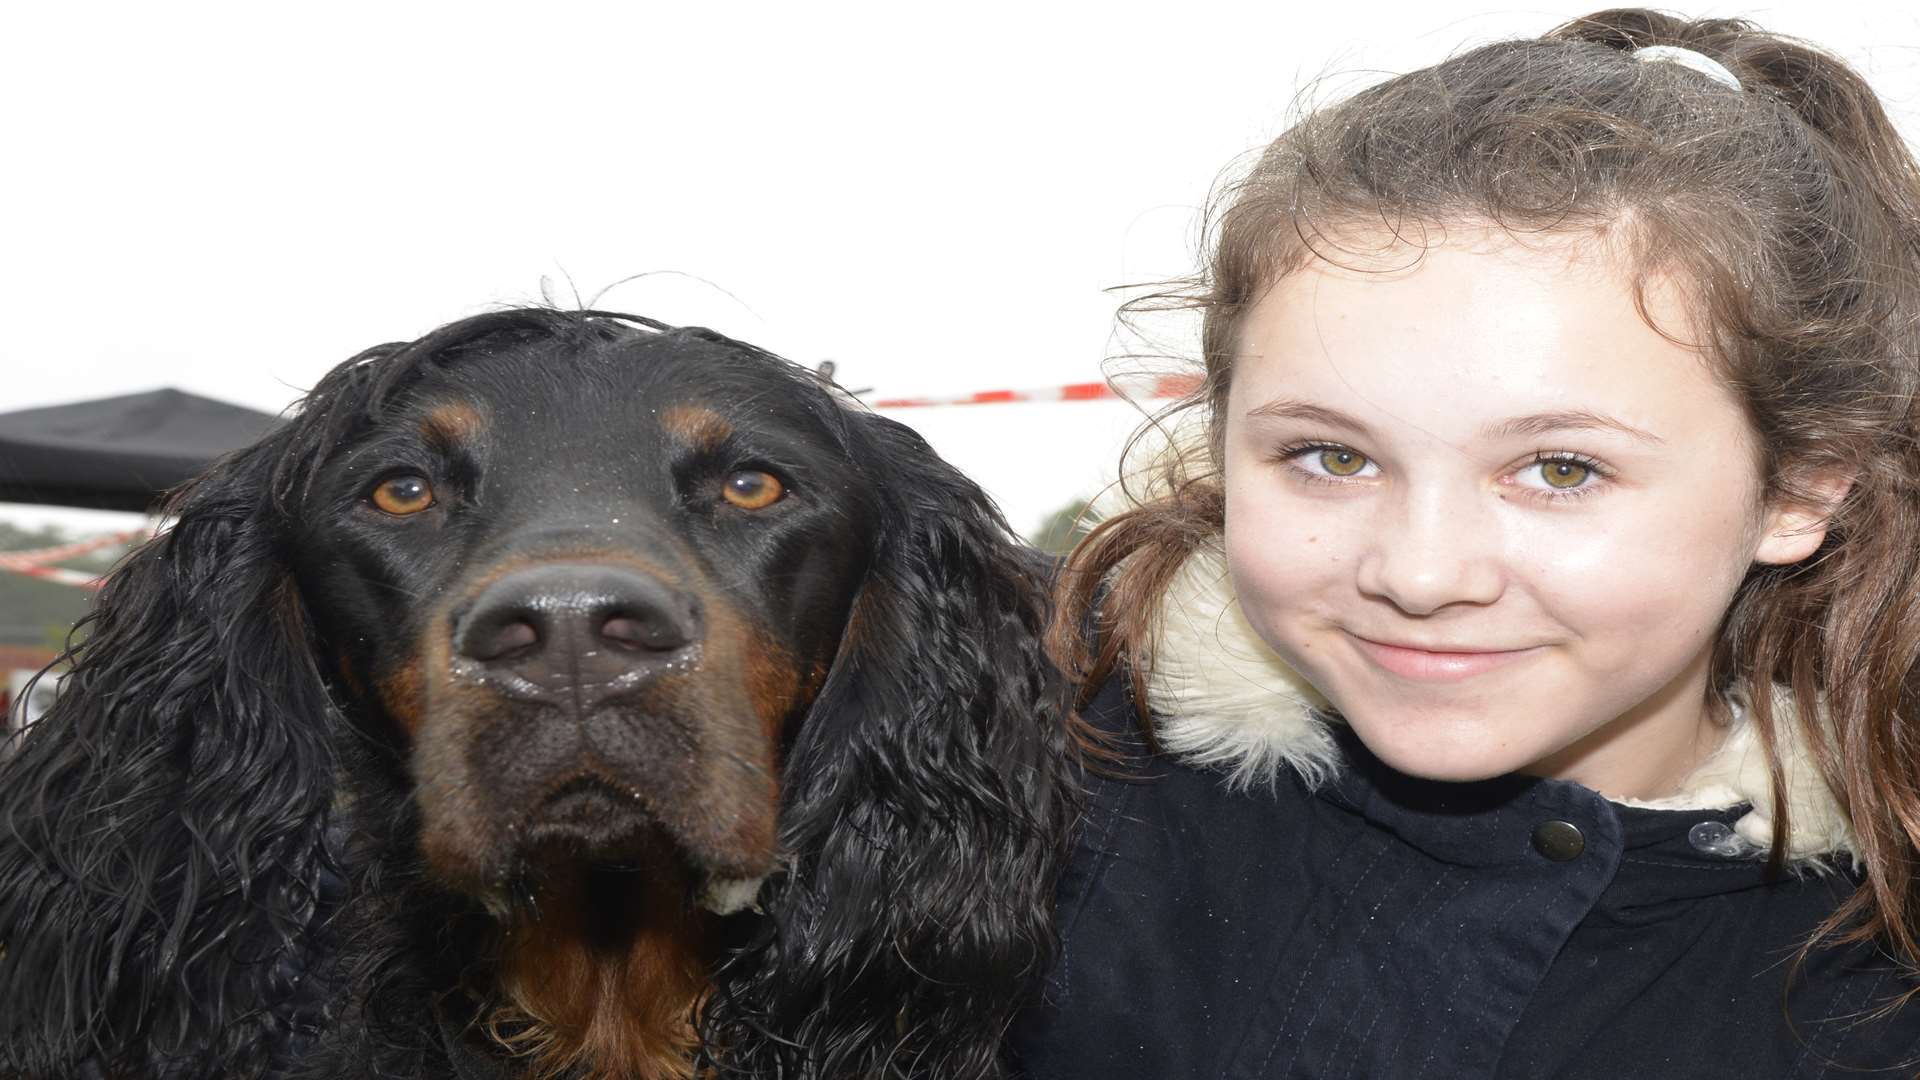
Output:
x,y
1382,926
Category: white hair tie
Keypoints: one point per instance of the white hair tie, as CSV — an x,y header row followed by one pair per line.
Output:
x,y
1700,62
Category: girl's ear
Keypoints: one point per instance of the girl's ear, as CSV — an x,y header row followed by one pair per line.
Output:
x,y
161,828
1794,529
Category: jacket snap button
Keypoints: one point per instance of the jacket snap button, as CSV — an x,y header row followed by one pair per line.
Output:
x,y
1716,838
1558,840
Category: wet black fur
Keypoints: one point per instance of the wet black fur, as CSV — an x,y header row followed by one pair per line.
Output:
x,y
207,860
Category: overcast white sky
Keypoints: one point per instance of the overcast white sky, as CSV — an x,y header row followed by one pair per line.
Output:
x,y
233,198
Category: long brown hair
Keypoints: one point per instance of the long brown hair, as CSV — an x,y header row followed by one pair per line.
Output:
x,y
1789,206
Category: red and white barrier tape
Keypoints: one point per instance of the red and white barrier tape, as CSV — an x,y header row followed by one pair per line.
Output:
x,y
1157,386
59,575
18,560
38,562
35,563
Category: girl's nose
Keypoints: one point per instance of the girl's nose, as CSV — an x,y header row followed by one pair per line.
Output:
x,y
1430,551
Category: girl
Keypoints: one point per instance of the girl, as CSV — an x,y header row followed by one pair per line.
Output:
x,y
1524,658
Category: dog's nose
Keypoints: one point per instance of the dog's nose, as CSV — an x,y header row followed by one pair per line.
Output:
x,y
579,627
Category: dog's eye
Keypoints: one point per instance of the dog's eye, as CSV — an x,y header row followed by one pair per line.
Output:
x,y
751,489
403,495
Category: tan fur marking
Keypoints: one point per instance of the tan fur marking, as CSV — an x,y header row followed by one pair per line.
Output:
x,y
454,423
344,665
773,686
621,1012
760,676
403,692
696,425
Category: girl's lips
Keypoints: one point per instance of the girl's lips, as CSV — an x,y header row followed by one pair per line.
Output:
x,y
1433,666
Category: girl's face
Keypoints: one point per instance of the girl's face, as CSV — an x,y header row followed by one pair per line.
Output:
x,y
1491,513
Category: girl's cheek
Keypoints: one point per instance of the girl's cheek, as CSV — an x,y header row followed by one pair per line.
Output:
x,y
1638,558
1282,545
1566,549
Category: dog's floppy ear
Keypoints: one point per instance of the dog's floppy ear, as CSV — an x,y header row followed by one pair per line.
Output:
x,y
161,829
927,798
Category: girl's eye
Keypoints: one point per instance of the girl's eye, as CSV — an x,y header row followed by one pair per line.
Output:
x,y
1563,474
403,495
1341,461
1560,474
1329,462
751,489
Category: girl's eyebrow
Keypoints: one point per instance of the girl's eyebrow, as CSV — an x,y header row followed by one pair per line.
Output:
x,y
1293,409
1568,420
1535,424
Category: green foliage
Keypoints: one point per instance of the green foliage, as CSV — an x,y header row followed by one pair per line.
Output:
x,y
1062,529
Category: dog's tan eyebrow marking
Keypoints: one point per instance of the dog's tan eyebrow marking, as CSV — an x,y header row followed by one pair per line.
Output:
x,y
451,424
696,425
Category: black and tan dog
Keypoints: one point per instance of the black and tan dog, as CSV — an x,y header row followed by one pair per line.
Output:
x,y
560,694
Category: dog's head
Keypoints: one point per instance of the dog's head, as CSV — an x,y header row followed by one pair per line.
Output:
x,y
591,576
550,591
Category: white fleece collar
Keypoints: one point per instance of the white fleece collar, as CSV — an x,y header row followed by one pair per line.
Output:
x,y
1226,702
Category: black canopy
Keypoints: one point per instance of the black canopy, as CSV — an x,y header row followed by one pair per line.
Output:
x,y
118,453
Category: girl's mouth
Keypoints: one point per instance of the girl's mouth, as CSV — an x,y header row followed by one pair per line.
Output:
x,y
1446,662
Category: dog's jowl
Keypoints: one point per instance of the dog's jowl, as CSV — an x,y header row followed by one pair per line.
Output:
x,y
556,695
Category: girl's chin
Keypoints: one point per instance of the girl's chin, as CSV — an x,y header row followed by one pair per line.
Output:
x,y
1453,757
